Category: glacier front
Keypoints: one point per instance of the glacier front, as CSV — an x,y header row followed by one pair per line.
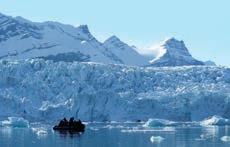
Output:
x,y
40,90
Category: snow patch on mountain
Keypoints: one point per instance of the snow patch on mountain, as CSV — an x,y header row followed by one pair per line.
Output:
x,y
174,53
125,52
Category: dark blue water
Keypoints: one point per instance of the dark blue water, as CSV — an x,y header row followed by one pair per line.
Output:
x,y
116,135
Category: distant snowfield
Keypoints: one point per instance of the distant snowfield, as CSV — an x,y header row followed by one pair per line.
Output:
x,y
40,90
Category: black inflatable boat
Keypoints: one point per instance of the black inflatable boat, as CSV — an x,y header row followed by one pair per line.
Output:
x,y
80,128
71,125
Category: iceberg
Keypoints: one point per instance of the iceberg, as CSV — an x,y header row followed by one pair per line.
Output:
x,y
40,131
15,122
215,120
156,139
145,130
159,123
225,138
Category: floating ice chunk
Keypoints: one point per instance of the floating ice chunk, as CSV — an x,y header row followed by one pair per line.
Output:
x,y
115,126
209,132
156,139
206,136
41,132
94,129
134,130
159,123
225,138
83,42
15,122
200,139
215,120
169,129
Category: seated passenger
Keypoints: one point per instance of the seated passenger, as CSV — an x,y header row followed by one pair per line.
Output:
x,y
71,122
66,123
61,123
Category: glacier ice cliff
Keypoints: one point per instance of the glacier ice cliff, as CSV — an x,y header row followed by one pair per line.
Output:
x,y
40,90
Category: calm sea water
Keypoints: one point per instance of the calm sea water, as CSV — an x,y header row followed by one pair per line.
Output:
x,y
115,135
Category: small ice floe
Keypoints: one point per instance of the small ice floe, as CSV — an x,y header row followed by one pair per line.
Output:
x,y
145,130
94,129
206,136
168,129
159,123
40,131
199,139
203,137
215,120
225,138
15,122
156,139
136,130
115,126
83,42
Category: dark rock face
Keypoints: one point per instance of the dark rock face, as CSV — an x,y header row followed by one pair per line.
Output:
x,y
68,57
10,27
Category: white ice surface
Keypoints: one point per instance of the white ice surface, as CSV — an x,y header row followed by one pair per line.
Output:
x,y
156,139
41,90
225,138
15,122
215,120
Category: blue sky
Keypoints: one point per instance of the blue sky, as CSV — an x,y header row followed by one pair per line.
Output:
x,y
204,25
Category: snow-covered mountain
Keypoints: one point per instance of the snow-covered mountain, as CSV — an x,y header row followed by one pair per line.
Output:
x,y
41,90
22,39
126,53
174,53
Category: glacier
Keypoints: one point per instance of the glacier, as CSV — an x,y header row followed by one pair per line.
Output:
x,y
41,90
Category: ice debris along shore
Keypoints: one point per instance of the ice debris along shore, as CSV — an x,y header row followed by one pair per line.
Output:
x,y
210,121
15,122
40,131
159,123
151,123
40,90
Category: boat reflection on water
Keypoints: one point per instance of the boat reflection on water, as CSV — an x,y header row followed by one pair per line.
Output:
x,y
68,133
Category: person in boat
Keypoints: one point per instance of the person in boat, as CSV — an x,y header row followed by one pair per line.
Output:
x,y
63,123
77,123
71,122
